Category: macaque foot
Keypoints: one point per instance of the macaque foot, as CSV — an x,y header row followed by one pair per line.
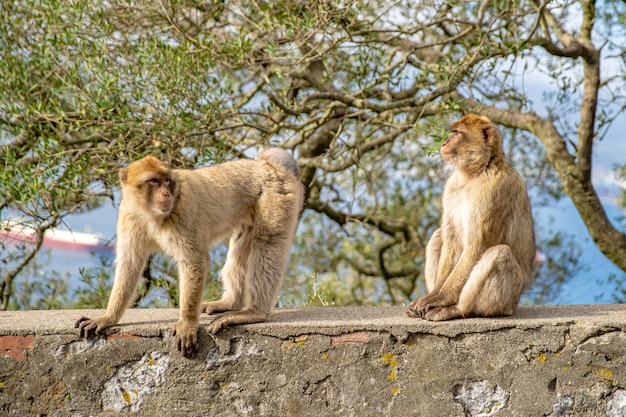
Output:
x,y
443,313
186,334
215,307
236,317
90,327
218,324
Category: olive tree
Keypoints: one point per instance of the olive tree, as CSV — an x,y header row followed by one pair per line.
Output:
x,y
361,92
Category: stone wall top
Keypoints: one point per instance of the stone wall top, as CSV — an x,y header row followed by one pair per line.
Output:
x,y
349,361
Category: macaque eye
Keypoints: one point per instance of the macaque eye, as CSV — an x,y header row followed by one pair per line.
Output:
x,y
154,181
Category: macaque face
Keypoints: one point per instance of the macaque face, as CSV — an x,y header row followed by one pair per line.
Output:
x,y
450,146
151,184
472,143
161,196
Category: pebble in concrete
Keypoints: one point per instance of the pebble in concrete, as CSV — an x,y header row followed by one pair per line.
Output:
x,y
481,398
80,346
616,406
133,382
216,358
562,407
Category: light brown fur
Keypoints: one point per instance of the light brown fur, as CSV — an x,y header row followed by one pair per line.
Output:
x,y
478,261
183,212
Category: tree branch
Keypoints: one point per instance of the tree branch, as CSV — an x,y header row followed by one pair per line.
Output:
x,y
589,102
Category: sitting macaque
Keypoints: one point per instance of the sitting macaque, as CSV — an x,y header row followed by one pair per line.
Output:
x,y
183,212
479,260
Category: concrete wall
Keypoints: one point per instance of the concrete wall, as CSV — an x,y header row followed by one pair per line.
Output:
x,y
544,361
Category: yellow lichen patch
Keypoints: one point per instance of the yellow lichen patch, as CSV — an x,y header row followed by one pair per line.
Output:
x,y
541,358
392,375
151,362
566,368
395,391
325,356
390,359
225,386
126,396
1,384
299,342
605,375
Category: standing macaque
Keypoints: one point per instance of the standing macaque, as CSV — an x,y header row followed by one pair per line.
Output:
x,y
479,260
183,212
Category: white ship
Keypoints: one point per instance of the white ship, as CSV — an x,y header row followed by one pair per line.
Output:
x,y
15,231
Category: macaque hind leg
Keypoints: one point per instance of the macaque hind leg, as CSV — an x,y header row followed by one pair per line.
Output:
x,y
267,264
275,220
433,253
266,268
492,289
233,273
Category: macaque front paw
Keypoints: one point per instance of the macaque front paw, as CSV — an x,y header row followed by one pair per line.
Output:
x,y
186,337
419,308
423,308
88,327
443,313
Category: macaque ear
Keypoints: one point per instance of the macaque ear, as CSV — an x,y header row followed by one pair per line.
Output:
x,y
489,133
123,175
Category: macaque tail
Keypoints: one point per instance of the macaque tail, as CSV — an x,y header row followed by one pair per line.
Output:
x,y
280,157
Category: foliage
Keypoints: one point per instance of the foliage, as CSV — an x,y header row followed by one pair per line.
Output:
x,y
360,91
41,288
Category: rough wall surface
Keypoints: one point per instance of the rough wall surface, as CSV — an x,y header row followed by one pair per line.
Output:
x,y
543,361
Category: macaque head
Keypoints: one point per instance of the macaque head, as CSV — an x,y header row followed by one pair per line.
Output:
x,y
474,142
151,184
